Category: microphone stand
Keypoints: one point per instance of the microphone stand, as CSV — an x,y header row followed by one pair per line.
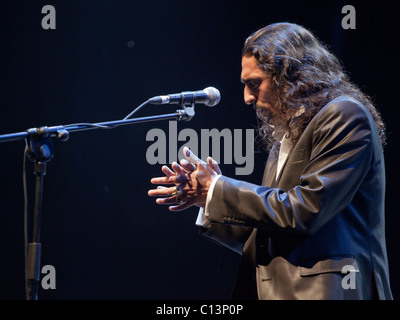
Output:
x,y
39,148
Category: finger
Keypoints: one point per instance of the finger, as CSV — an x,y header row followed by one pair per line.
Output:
x,y
163,191
178,168
164,180
167,171
214,165
186,204
191,157
166,201
181,178
187,165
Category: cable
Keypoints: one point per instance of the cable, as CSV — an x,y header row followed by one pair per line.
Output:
x,y
25,216
84,124
94,125
136,110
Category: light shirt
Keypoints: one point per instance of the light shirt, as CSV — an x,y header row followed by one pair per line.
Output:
x,y
285,146
202,220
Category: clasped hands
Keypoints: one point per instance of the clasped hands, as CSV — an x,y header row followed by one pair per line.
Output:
x,y
189,182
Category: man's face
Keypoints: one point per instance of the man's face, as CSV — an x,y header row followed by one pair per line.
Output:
x,y
258,92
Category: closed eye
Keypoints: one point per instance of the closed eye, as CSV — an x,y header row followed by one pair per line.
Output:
x,y
253,84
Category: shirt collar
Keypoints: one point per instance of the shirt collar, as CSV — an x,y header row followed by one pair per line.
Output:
x,y
280,132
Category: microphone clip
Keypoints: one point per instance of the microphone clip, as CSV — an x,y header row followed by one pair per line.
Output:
x,y
187,113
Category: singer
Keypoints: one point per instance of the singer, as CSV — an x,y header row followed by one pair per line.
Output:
x,y
315,226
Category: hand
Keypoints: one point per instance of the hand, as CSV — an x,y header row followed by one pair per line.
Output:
x,y
191,178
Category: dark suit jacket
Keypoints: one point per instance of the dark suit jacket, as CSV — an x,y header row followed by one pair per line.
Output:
x,y
324,212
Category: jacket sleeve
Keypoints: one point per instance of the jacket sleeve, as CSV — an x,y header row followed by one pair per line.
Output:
x,y
340,142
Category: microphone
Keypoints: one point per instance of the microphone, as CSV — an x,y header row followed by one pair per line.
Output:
x,y
209,96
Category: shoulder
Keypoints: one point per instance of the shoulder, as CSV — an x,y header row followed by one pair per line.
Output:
x,y
343,112
345,108
342,119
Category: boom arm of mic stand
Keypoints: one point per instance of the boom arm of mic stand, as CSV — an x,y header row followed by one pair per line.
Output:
x,y
62,131
40,151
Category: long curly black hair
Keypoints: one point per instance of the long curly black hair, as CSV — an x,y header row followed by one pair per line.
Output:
x,y
304,74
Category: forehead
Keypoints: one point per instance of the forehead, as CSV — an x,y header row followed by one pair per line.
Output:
x,y
250,69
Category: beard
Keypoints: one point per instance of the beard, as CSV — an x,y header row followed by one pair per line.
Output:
x,y
268,117
269,122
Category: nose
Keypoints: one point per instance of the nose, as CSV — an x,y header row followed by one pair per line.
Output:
x,y
249,96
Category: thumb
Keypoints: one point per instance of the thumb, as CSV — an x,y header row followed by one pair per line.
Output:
x,y
191,157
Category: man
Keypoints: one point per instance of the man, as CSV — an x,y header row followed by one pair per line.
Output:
x,y
314,228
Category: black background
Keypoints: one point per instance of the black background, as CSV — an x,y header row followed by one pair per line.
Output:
x,y
105,237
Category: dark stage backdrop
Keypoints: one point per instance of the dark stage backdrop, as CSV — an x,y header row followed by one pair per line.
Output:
x,y
103,235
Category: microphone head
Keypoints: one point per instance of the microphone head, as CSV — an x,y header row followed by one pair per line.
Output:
x,y
213,96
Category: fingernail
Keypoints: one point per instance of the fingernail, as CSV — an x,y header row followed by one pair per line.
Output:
x,y
187,152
